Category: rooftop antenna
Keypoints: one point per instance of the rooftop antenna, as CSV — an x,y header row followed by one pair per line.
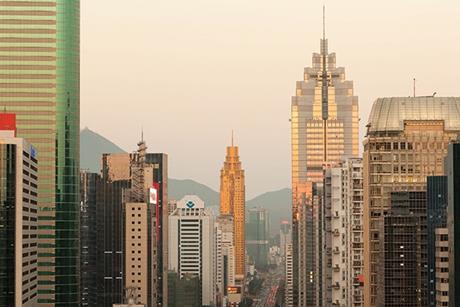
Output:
x,y
414,87
232,137
142,133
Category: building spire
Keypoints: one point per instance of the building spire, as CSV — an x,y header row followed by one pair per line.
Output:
x,y
323,39
324,22
232,137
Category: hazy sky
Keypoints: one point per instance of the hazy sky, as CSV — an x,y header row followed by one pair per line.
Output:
x,y
191,71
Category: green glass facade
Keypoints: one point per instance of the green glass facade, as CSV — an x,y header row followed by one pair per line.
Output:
x,y
39,82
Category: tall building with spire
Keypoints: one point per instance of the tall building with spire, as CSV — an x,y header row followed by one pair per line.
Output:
x,y
40,83
324,130
232,202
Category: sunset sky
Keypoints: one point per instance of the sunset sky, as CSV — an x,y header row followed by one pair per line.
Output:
x,y
191,71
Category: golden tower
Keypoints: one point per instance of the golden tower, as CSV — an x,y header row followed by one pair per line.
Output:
x,y
232,202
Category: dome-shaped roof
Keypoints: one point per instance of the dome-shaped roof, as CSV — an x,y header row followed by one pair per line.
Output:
x,y
389,114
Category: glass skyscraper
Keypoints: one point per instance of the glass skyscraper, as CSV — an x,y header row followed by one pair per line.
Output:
x,y
39,82
324,130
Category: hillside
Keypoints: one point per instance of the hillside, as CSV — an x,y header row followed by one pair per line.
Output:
x,y
93,145
278,203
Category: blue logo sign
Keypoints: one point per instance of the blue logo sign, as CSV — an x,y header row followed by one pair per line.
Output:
x,y
190,204
33,152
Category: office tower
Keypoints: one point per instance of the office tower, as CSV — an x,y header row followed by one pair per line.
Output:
x,y
115,178
257,236
232,202
453,218
184,291
442,267
90,186
343,234
225,256
436,219
18,217
129,180
324,130
40,83
285,236
406,141
191,245
289,285
398,262
403,273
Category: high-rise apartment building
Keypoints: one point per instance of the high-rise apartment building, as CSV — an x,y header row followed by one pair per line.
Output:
x,y
289,285
131,180
90,186
324,130
406,141
191,245
343,234
40,83
232,202
225,256
257,236
18,217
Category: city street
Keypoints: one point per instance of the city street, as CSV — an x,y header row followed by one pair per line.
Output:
x,y
267,296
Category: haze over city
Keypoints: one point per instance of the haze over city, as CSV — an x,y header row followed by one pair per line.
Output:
x,y
203,68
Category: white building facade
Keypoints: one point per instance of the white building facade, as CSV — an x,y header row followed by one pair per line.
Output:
x,y
225,255
343,234
289,270
192,244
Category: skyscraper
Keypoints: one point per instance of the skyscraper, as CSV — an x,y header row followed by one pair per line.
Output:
x,y
342,260
18,217
191,245
406,141
257,236
436,224
225,256
324,130
285,236
40,83
90,186
136,180
232,202
453,218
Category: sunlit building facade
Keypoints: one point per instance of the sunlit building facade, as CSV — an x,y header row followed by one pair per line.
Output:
x,y
40,83
324,130
232,202
406,141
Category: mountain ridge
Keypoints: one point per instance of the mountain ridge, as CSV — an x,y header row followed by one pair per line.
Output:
x,y
93,145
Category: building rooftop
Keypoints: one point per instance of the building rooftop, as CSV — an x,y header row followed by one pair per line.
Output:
x,y
389,114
